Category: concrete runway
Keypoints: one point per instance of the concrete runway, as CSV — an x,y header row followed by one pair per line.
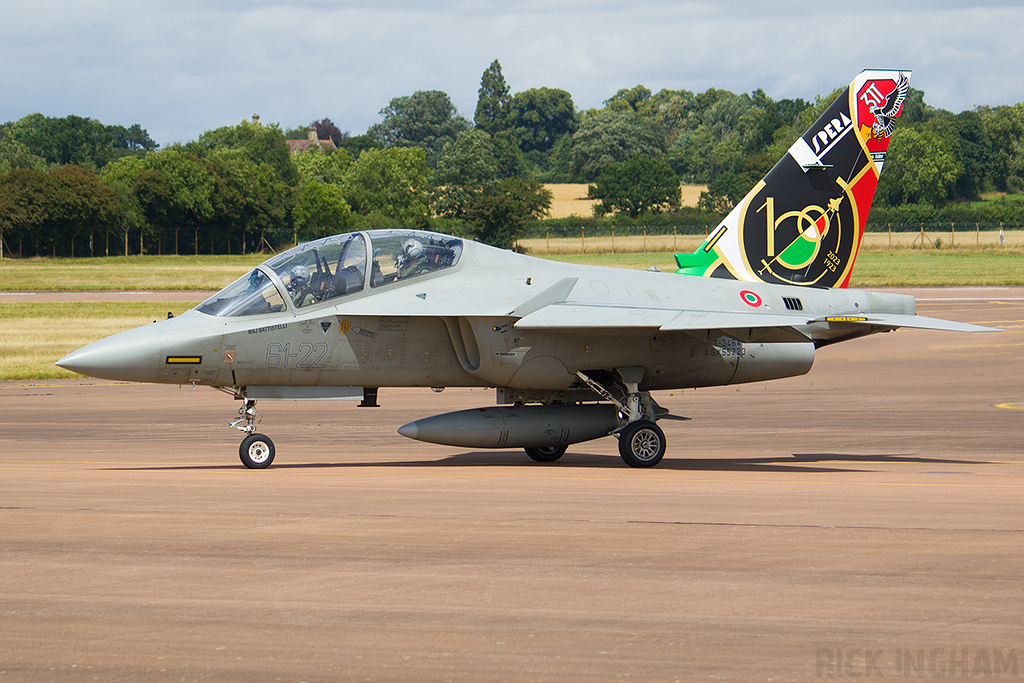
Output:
x,y
863,521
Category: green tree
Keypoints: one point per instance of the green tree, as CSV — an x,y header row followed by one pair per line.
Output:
x,y
539,117
120,176
14,154
919,168
426,119
786,135
323,166
470,164
69,140
23,210
175,189
51,210
357,144
613,135
393,183
725,133
969,141
559,162
498,213
669,108
132,141
259,143
639,185
914,109
78,204
251,205
321,211
123,170
629,99
1005,126
493,100
774,116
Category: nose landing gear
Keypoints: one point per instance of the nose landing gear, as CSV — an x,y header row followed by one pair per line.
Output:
x,y
257,450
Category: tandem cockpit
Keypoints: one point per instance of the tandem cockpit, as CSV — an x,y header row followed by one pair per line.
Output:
x,y
333,267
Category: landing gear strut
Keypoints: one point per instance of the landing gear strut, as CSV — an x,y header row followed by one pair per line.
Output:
x,y
257,450
641,440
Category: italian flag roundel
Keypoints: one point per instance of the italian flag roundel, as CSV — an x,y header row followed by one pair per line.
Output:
x,y
750,298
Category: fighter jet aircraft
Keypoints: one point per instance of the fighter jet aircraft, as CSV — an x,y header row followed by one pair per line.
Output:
x,y
573,351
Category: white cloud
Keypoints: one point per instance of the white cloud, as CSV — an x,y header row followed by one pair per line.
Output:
x,y
180,68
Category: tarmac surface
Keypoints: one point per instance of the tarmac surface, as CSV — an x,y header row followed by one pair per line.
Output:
x,y
863,521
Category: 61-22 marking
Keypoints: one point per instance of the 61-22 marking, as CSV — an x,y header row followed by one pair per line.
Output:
x,y
312,355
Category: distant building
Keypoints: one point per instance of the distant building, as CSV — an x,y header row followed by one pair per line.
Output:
x,y
310,142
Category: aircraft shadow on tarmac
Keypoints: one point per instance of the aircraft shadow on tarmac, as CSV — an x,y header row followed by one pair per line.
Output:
x,y
590,460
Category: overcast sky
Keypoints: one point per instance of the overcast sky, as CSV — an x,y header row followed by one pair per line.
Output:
x,y
181,67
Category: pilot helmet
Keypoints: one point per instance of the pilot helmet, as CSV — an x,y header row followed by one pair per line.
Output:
x,y
412,248
298,276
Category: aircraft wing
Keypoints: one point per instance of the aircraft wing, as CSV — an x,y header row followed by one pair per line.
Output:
x,y
567,315
745,326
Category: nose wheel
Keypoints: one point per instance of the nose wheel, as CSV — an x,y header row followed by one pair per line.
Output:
x,y
256,451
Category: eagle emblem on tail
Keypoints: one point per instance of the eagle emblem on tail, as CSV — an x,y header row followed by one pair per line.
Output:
x,y
886,113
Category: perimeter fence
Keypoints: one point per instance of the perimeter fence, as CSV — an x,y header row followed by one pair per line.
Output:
x,y
638,238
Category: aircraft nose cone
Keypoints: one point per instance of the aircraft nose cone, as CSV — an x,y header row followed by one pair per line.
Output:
x,y
132,356
410,430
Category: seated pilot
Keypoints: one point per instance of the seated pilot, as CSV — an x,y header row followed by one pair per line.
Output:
x,y
298,278
412,260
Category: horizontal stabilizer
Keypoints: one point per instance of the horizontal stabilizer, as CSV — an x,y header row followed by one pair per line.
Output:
x,y
895,320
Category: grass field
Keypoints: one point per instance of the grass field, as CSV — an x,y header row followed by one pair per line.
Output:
x,y
34,335
123,273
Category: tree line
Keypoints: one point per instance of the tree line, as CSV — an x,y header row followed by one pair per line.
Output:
x,y
76,186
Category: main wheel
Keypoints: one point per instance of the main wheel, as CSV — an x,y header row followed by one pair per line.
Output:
x,y
546,453
256,451
642,444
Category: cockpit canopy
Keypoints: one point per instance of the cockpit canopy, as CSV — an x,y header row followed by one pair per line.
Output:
x,y
333,267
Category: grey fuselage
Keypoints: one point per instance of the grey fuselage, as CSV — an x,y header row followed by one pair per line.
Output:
x,y
499,319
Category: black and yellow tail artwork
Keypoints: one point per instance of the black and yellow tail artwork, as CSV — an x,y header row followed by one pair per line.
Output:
x,y
802,223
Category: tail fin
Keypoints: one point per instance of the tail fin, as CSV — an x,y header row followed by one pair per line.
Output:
x,y
802,224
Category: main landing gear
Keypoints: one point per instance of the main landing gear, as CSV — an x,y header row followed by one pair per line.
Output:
x,y
257,450
642,444
641,440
